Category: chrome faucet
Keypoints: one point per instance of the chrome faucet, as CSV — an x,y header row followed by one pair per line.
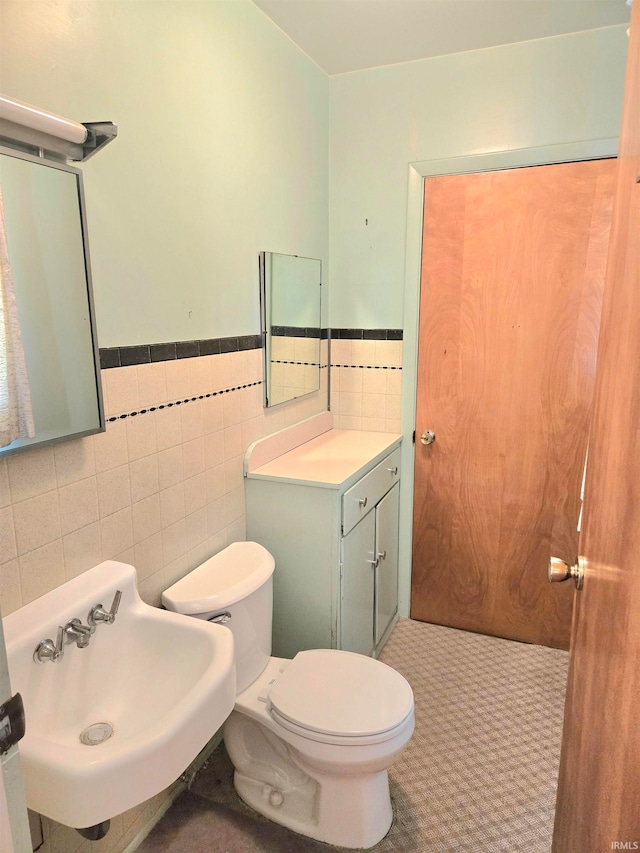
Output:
x,y
47,650
77,633
99,614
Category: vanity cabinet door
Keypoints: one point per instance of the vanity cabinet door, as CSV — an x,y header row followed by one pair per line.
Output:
x,y
386,572
356,589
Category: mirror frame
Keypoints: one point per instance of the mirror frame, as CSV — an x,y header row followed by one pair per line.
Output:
x,y
63,167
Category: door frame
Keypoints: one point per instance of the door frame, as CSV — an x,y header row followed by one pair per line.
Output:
x,y
488,161
13,803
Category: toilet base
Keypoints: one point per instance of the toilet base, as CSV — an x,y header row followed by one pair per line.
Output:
x,y
348,810
353,812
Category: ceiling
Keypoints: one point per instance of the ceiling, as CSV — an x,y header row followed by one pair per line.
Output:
x,y
350,35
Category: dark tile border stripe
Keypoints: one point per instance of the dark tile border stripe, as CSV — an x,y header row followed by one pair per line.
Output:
x,y
161,406
367,334
300,332
147,353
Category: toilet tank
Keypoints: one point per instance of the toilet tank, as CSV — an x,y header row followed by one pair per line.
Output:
x,y
237,581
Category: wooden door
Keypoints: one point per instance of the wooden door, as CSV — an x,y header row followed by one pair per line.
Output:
x,y
598,807
513,269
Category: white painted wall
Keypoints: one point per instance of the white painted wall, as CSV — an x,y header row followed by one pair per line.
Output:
x,y
222,152
223,149
525,95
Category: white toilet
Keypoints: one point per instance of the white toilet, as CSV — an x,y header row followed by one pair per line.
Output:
x,y
310,738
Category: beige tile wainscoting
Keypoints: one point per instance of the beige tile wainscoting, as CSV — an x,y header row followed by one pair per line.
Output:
x,y
366,384
161,489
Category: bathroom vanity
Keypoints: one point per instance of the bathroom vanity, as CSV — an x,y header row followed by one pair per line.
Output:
x,y
325,504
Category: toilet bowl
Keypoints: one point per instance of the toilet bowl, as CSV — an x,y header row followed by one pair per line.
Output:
x,y
310,738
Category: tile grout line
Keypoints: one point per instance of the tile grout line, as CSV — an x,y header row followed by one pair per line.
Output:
x,y
368,366
160,406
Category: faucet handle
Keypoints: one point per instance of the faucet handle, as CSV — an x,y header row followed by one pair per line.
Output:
x,y
99,614
48,650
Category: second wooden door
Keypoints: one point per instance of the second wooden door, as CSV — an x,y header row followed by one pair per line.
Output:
x,y
512,276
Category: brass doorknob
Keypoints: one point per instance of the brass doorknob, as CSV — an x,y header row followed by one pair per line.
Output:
x,y
428,437
560,571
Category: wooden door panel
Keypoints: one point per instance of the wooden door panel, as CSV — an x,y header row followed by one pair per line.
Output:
x,y
513,269
598,801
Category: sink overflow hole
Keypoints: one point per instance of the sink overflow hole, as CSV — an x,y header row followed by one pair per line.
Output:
x,y
96,733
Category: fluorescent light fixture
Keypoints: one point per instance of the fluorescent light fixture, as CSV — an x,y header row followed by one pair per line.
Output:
x,y
42,121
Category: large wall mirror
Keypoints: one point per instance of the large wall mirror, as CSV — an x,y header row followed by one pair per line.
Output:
x,y
295,344
47,302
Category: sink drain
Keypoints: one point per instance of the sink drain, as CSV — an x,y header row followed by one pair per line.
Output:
x,y
96,733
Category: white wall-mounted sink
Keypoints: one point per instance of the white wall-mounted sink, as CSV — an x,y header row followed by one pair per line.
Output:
x,y
163,682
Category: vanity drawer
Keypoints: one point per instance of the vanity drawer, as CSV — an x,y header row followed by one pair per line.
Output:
x,y
365,494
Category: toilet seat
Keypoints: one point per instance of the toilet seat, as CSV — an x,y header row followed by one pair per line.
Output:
x,y
340,697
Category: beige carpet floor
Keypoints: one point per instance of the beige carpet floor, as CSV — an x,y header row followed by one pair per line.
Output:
x,y
478,776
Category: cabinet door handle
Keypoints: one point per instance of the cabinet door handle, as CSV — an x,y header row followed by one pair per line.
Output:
x,y
362,502
393,470
374,563
382,555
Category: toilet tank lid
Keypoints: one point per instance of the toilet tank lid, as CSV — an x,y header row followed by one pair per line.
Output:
x,y
224,579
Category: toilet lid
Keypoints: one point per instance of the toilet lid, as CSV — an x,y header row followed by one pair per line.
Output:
x,y
341,693
221,581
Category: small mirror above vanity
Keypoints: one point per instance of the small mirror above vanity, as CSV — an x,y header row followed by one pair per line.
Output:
x,y
294,343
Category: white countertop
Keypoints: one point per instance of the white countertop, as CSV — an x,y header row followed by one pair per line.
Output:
x,y
330,459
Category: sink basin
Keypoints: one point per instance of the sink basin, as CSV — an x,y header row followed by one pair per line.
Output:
x,y
148,692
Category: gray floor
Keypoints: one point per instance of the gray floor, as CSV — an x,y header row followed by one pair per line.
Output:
x,y
478,776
